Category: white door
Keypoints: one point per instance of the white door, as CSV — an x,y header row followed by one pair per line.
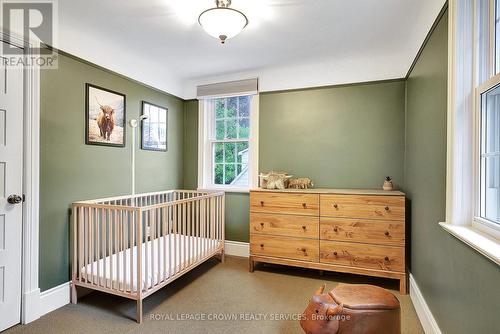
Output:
x,y
11,171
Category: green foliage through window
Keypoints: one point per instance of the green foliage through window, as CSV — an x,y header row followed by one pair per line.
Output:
x,y
231,146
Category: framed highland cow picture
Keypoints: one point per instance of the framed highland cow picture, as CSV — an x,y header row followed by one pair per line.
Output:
x,y
154,127
104,117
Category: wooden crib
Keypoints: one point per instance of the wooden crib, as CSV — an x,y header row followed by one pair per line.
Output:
x,y
132,246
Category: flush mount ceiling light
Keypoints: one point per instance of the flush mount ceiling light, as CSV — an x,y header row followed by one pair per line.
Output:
x,y
222,22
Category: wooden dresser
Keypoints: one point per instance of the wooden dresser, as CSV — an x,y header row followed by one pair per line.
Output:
x,y
350,231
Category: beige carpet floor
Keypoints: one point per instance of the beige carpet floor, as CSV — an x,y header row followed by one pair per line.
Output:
x,y
214,288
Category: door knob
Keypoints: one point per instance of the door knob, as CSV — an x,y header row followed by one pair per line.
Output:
x,y
14,199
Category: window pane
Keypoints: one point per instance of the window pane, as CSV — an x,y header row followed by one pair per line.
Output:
x,y
490,155
219,130
230,173
220,107
219,174
244,128
242,152
219,153
491,191
229,152
492,120
232,107
231,128
244,105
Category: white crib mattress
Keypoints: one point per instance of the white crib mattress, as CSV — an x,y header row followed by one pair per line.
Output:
x,y
195,248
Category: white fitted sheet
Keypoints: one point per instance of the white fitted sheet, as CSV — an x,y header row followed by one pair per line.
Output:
x,y
158,259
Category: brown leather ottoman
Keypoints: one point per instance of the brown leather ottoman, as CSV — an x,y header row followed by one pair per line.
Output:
x,y
352,309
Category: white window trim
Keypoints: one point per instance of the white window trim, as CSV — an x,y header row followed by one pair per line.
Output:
x,y
205,150
462,193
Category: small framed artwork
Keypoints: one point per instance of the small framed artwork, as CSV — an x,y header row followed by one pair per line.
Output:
x,y
154,127
104,117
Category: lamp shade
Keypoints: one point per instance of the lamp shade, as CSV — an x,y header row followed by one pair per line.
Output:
x,y
223,22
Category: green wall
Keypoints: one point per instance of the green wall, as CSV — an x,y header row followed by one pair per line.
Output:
x,y
71,170
346,136
459,285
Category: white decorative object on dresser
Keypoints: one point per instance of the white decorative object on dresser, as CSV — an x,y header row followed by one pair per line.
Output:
x,y
344,230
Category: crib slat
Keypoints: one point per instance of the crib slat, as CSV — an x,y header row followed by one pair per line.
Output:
x,y
158,241
104,255
165,235
74,271
189,232
116,248
175,222
151,237
124,249
146,252
80,242
98,245
138,229
198,228
131,248
169,231
92,240
110,245
183,251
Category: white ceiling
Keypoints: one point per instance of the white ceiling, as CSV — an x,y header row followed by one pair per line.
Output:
x,y
287,44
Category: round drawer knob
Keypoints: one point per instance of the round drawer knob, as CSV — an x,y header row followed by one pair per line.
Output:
x,y
303,250
262,224
387,233
261,245
335,229
304,228
386,208
261,203
335,253
304,205
335,205
386,258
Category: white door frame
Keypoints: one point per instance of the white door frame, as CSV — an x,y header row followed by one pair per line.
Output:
x,y
30,291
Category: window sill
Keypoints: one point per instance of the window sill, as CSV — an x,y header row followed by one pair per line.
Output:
x,y
227,190
481,242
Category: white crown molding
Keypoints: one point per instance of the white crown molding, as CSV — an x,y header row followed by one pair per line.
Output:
x,y
424,314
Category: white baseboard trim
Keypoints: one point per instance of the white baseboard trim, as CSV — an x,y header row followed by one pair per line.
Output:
x,y
31,306
427,320
237,248
54,298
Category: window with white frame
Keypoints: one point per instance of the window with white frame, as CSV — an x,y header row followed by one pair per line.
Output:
x,y
486,213
473,170
228,142
489,147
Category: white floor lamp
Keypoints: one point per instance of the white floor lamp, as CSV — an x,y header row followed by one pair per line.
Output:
x,y
133,124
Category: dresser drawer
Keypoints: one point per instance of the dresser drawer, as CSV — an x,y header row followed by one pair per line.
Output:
x,y
284,225
363,206
298,204
384,232
362,255
285,247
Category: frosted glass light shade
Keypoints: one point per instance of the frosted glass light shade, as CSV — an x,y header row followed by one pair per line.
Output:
x,y
222,22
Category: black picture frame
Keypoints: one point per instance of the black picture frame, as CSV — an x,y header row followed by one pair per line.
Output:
x,y
101,141
144,145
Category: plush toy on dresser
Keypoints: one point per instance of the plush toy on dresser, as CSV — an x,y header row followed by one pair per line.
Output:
x,y
274,180
301,183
